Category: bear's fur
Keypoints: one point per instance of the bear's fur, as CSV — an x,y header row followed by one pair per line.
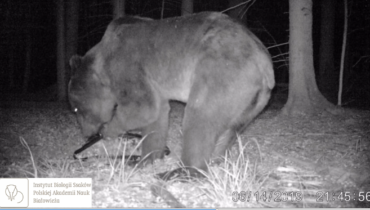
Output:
x,y
207,60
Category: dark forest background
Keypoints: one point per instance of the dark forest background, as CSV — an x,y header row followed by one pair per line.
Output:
x,y
28,40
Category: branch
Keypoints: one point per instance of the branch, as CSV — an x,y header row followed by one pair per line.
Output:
x,y
236,6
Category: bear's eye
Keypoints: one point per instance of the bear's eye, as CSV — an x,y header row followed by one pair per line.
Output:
x,y
75,110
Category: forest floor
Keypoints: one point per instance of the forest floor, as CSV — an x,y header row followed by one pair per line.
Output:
x,y
323,159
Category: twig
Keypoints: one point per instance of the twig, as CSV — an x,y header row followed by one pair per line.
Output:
x,y
238,5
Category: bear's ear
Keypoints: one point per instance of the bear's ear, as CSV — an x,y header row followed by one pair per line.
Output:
x,y
75,62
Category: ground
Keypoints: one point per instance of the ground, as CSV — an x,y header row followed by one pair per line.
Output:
x,y
311,155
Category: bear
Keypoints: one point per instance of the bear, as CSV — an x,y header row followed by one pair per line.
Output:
x,y
209,61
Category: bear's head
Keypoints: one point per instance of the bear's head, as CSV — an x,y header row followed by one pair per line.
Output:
x,y
90,95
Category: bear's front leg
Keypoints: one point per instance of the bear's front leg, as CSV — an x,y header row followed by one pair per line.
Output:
x,y
155,134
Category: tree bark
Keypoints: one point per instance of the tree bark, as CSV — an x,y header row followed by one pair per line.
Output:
x,y
327,75
72,8
304,96
118,8
187,7
61,81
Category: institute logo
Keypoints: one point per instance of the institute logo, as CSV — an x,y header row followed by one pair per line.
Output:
x,y
13,192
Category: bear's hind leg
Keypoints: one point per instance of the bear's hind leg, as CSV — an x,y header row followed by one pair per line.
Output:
x,y
255,102
200,132
224,142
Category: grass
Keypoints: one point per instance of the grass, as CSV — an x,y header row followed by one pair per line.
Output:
x,y
39,143
234,174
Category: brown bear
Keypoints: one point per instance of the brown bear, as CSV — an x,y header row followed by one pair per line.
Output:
x,y
211,62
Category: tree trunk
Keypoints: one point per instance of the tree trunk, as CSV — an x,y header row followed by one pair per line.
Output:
x,y
11,67
327,75
27,69
72,8
62,90
187,7
239,11
118,8
304,96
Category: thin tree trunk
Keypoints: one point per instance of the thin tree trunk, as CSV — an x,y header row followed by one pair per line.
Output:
x,y
187,7
118,8
72,8
162,9
343,53
304,96
11,67
27,70
62,90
